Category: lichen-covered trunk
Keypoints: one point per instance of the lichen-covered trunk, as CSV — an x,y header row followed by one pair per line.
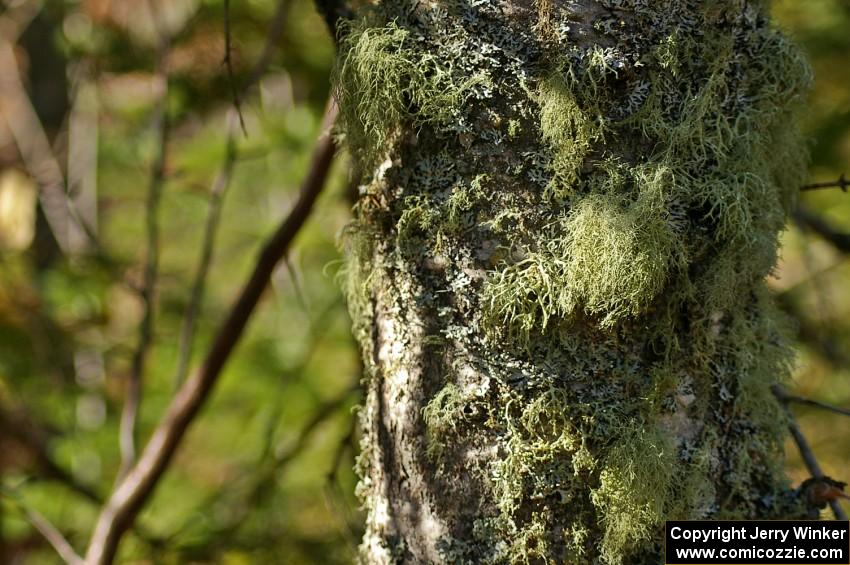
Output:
x,y
566,214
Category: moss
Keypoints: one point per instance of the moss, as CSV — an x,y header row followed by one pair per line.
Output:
x,y
606,258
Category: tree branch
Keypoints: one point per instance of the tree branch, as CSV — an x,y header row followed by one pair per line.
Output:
x,y
133,398
50,533
806,451
786,396
228,65
217,192
809,221
133,491
34,437
272,41
841,183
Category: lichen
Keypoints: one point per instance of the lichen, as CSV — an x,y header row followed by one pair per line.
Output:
x,y
582,214
384,81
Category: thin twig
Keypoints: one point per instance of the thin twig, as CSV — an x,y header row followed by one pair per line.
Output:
x,y
37,154
841,183
53,536
50,533
806,452
814,223
222,182
786,396
216,200
271,44
271,468
132,493
316,336
334,495
133,399
35,437
334,12
228,65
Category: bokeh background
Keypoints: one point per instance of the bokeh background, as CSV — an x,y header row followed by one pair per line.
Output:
x,y
265,473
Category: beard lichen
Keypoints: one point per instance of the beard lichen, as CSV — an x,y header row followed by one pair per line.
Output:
x,y
582,215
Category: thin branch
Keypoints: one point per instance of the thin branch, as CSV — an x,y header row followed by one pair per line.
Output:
x,y
53,536
809,221
316,336
334,12
806,452
273,37
334,495
37,154
841,183
271,468
223,179
133,491
132,401
228,65
217,193
35,438
50,533
786,396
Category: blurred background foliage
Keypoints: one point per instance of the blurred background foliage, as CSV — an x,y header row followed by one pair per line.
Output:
x,y
265,473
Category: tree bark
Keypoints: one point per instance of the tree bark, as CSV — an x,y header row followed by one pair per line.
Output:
x,y
556,272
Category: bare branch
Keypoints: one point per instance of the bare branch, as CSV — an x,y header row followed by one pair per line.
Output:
x,y
272,41
786,396
133,491
271,467
222,181
37,154
806,452
811,222
217,192
50,533
35,437
228,65
841,183
133,398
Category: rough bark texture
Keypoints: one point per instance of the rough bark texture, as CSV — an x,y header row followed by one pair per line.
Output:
x,y
566,215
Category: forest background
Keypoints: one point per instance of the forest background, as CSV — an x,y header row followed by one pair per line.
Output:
x,y
125,106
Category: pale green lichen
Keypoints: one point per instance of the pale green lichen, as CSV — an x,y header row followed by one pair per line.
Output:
x,y
443,414
567,129
635,491
607,258
384,82
595,235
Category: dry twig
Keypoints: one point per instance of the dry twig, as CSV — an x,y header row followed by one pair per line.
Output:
x,y
806,452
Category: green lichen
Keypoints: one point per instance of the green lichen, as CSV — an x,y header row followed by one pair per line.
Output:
x,y
384,82
443,414
567,129
587,224
635,489
606,258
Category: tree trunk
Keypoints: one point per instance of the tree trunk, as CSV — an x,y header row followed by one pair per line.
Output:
x,y
566,215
